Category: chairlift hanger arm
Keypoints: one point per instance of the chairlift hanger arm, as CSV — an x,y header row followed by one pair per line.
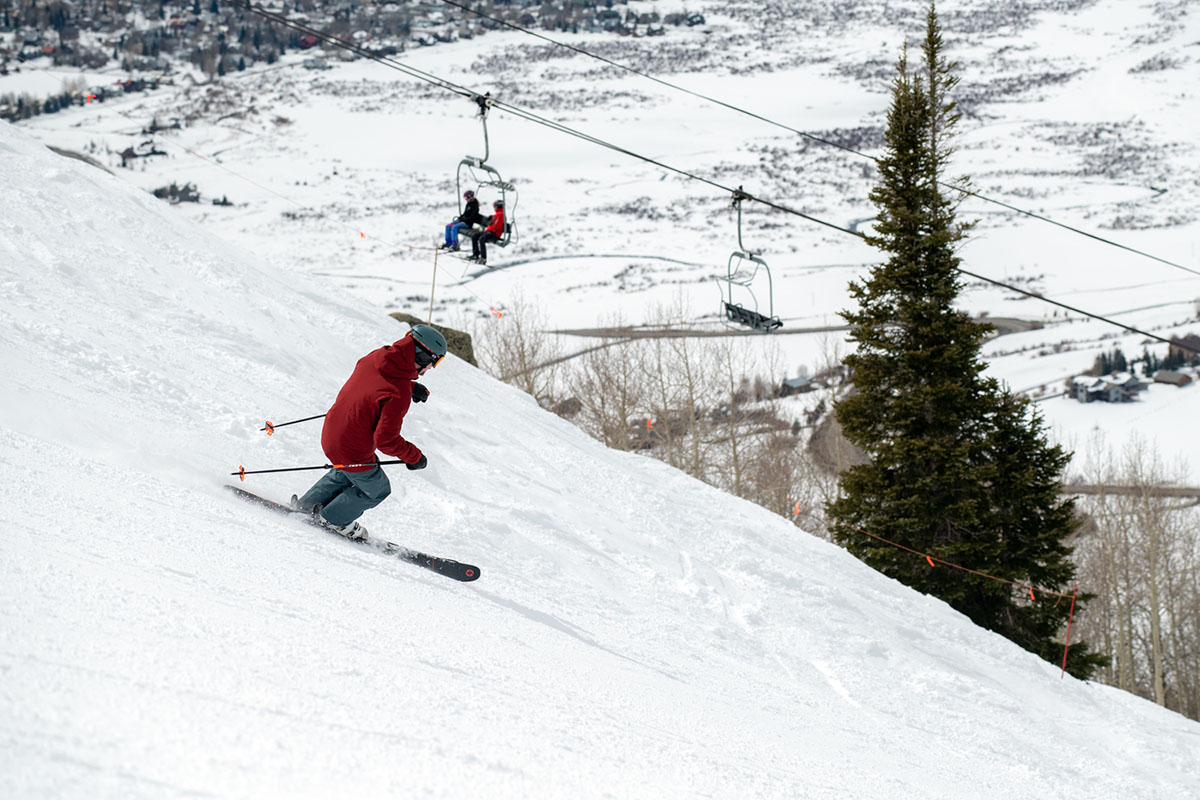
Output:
x,y
738,197
484,101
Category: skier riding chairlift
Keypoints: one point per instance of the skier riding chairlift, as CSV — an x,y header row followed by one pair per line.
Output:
x,y
475,174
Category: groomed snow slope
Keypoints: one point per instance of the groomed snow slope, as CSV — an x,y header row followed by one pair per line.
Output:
x,y
635,633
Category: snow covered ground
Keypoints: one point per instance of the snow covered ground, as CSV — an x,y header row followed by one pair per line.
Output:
x,y
635,633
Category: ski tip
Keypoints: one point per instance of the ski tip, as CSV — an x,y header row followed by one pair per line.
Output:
x,y
453,569
464,573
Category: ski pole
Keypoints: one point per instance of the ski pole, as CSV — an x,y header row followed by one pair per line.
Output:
x,y
271,426
242,472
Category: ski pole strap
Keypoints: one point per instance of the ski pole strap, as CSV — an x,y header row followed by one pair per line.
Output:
x,y
242,472
271,426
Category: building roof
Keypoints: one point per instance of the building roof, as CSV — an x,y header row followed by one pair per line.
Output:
x,y
1191,341
1099,383
1171,376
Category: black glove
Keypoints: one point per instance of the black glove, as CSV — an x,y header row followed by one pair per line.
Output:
x,y
420,464
420,393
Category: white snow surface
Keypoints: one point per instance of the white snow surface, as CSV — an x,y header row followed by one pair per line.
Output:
x,y
635,633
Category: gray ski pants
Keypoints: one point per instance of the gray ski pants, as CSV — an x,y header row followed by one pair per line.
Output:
x,y
344,496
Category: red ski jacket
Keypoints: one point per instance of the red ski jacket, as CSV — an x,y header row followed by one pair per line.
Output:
x,y
370,408
496,226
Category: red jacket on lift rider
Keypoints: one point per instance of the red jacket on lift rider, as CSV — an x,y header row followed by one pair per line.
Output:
x,y
494,232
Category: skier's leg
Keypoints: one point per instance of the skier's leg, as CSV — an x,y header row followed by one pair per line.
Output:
x,y
366,490
329,486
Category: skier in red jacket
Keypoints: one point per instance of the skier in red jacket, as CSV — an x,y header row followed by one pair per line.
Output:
x,y
494,232
365,417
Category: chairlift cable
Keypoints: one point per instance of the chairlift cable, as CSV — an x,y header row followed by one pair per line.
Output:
x,y
811,136
1045,299
561,128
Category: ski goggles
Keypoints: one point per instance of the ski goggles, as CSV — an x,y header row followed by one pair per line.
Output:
x,y
424,354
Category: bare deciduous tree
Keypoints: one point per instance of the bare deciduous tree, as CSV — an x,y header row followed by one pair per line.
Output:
x,y
735,387
606,383
1142,560
516,348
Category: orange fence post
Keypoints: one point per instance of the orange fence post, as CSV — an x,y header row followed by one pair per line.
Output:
x,y
1070,617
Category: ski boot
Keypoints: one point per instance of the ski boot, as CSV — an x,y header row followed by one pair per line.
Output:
x,y
353,531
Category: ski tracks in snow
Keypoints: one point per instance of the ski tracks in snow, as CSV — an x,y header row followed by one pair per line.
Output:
x,y
706,584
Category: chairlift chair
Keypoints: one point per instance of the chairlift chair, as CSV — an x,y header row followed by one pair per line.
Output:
x,y
476,174
741,271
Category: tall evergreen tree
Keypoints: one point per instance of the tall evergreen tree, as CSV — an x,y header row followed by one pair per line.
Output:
x,y
959,468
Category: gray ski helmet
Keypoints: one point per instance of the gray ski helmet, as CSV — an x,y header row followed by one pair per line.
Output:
x,y
431,345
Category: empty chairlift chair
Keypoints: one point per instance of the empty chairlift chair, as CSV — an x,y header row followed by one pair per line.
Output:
x,y
741,275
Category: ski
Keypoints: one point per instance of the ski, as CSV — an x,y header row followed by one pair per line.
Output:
x,y
442,566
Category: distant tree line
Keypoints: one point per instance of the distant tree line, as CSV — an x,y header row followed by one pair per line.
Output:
x,y
1113,361
25,105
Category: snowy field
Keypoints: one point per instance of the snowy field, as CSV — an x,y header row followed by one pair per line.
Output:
x,y
635,633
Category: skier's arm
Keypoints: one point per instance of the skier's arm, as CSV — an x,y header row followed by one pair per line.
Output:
x,y
387,433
